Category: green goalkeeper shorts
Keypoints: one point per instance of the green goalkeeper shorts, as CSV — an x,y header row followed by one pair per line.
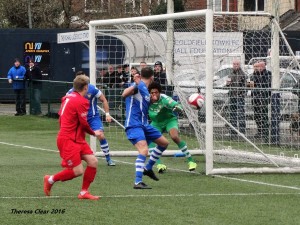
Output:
x,y
166,125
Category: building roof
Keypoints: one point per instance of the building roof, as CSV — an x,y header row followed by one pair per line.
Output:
x,y
290,21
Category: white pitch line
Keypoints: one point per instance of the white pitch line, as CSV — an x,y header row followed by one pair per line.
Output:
x,y
50,150
29,147
198,195
258,182
172,169
194,172
232,178
36,197
159,196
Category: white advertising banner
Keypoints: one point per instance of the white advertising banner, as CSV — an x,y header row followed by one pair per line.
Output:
x,y
188,43
71,37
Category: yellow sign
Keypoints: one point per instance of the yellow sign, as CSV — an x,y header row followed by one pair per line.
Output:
x,y
35,47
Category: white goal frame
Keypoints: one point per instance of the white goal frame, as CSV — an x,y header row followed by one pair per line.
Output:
x,y
92,56
209,146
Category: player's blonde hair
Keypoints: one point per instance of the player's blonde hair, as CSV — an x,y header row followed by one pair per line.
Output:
x,y
80,82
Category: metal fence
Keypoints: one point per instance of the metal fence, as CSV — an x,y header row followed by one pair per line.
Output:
x,y
51,94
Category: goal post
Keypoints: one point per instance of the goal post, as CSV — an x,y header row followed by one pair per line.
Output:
x,y
93,70
209,91
219,37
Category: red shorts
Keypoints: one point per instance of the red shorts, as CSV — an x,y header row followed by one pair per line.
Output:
x,y
71,152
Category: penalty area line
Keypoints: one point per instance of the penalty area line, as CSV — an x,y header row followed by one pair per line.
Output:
x,y
158,195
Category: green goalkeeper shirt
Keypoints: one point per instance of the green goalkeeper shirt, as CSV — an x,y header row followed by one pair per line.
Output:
x,y
162,110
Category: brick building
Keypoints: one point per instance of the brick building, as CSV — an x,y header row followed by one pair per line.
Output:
x,y
289,10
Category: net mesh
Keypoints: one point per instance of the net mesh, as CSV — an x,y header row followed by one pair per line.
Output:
x,y
257,124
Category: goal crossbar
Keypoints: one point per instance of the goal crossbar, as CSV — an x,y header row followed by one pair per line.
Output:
x,y
147,19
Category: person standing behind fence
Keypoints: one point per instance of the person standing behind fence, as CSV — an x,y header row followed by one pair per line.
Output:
x,y
160,76
112,76
237,83
107,76
118,78
126,76
133,72
261,82
16,77
34,74
143,65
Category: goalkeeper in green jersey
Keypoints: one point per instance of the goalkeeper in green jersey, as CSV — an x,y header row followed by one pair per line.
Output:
x,y
161,113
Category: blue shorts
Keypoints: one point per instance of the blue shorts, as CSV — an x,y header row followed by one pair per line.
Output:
x,y
95,123
147,133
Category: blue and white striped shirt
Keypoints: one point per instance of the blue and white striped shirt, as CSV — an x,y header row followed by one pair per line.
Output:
x,y
137,107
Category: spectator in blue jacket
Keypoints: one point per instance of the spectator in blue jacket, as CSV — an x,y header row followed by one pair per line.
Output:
x,y
16,77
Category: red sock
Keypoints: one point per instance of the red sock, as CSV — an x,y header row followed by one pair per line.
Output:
x,y
88,177
64,175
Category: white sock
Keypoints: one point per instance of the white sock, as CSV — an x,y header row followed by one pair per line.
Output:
x,y
83,192
50,180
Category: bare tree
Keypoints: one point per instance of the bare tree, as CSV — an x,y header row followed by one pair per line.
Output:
x,y
45,13
73,13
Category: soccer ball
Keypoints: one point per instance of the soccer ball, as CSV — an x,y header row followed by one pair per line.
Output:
x,y
196,101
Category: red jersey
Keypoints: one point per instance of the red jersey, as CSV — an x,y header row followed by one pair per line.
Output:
x,y
73,118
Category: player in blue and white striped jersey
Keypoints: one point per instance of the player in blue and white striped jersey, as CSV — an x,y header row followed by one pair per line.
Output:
x,y
93,116
137,127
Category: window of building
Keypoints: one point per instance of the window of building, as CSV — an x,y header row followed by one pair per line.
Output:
x,y
229,5
260,5
134,6
160,1
217,5
224,5
96,5
254,5
129,6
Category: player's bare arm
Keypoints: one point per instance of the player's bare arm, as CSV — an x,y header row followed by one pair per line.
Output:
x,y
137,78
129,91
106,108
132,89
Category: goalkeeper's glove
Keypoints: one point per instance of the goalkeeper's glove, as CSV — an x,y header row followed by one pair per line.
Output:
x,y
177,108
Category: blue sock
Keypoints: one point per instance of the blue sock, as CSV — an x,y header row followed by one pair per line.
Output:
x,y
139,168
105,148
154,155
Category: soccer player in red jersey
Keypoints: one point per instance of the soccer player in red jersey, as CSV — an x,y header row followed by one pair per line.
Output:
x,y
71,141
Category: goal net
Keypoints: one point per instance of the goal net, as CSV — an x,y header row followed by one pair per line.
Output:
x,y
246,126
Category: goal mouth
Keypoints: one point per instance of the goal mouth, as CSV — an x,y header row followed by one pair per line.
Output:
x,y
198,50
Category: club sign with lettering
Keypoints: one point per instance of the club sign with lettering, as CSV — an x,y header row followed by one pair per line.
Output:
x,y
39,52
